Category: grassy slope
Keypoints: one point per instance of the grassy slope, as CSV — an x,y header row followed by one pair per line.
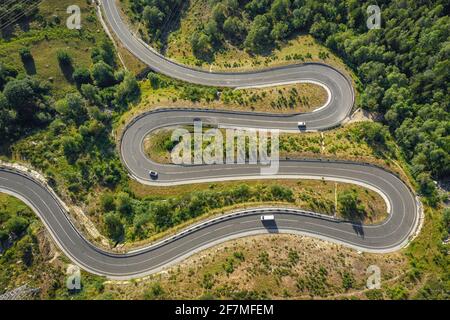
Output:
x,y
44,43
14,271
302,97
302,48
272,100
233,58
270,267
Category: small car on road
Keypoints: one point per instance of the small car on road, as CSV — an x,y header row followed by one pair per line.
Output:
x,y
153,174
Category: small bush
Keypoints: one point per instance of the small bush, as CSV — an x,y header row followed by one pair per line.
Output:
x,y
81,76
25,54
64,59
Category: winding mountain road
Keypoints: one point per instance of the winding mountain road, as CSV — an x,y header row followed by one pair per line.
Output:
x,y
390,235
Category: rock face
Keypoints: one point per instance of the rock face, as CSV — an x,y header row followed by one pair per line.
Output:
x,y
20,293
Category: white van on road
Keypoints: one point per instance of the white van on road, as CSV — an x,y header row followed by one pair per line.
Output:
x,y
268,218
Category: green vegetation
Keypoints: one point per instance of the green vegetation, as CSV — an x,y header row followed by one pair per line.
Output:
x,y
14,14
63,92
157,16
66,133
76,151
150,216
22,259
350,205
282,99
24,105
179,40
403,78
362,142
159,91
14,220
44,34
280,266
315,282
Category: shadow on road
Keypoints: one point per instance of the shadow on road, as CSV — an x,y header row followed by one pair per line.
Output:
x,y
359,229
271,226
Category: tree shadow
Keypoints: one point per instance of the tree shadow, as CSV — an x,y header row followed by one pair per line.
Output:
x,y
271,226
358,228
7,33
29,65
356,218
172,23
265,51
208,57
67,70
24,25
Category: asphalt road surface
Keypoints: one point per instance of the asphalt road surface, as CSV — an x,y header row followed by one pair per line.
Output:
x,y
390,235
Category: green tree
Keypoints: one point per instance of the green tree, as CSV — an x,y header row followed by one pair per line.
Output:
x,y
427,187
64,59
124,203
219,13
7,117
154,80
279,10
19,92
153,17
302,18
16,225
7,73
71,147
107,202
259,38
72,107
257,7
103,74
234,29
25,54
28,98
350,205
201,45
162,215
375,133
81,76
104,52
127,91
280,31
114,226
91,93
